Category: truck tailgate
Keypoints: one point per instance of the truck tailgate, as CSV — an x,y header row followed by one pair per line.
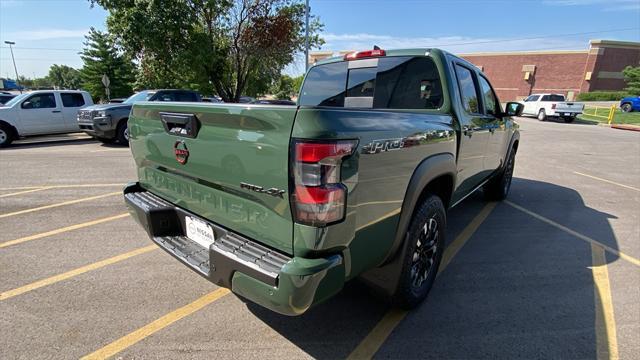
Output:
x,y
198,155
569,107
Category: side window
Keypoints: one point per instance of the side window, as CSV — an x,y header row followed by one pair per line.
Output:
x,y
40,101
186,96
545,98
533,98
72,99
165,96
468,90
491,103
408,83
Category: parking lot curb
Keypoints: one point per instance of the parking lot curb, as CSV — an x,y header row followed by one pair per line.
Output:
x,y
625,127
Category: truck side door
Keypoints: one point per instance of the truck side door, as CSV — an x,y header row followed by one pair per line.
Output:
x,y
41,114
474,133
71,103
530,105
496,146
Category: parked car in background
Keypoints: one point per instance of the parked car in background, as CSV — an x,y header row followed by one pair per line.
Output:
x,y
5,97
41,112
544,106
108,122
213,99
246,99
117,100
274,102
629,104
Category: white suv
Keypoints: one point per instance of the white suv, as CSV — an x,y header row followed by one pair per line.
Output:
x,y
41,112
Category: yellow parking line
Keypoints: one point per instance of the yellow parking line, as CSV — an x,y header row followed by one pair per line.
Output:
x,y
61,230
157,325
60,186
379,334
25,192
607,181
70,202
69,274
605,323
616,252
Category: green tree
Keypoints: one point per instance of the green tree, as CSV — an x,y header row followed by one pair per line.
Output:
x,y
64,77
632,78
297,84
284,88
230,47
101,57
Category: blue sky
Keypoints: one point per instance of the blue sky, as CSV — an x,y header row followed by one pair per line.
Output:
x,y
50,32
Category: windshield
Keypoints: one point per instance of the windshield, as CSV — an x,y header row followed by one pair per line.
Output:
x,y
16,99
141,96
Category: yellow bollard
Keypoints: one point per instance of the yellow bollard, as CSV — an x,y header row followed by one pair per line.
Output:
x,y
612,111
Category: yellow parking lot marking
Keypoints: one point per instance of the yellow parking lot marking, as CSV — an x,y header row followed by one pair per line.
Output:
x,y
62,230
613,251
25,192
60,186
69,274
159,324
605,324
379,334
70,202
607,181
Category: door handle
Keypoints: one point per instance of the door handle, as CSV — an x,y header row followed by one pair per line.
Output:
x,y
55,111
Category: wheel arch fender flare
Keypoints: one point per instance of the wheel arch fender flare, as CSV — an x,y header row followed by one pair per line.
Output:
x,y
11,127
385,276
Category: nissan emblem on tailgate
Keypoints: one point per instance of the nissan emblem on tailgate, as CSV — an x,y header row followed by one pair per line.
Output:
x,y
181,151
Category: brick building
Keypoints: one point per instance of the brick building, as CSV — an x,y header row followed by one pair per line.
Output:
x,y
516,75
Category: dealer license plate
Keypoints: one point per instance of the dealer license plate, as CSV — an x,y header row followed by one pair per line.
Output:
x,y
199,231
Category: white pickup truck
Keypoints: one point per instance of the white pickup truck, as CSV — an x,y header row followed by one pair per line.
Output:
x,y
41,112
551,105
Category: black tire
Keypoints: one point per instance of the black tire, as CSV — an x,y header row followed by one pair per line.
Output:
x,y
626,107
542,115
122,133
569,119
7,135
425,245
497,188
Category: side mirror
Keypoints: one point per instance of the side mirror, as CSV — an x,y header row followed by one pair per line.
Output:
x,y
27,105
513,109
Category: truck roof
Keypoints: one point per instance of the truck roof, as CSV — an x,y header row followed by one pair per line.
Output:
x,y
391,52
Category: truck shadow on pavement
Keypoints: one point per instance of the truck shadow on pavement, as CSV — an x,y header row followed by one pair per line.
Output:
x,y
519,288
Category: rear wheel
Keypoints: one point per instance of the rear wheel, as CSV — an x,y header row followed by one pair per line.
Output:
x,y
122,133
425,245
542,115
626,107
105,140
498,187
569,119
6,135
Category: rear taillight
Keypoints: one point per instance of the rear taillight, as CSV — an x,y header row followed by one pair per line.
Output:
x,y
319,198
365,54
553,106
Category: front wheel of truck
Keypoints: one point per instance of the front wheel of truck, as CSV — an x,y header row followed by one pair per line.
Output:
x,y
425,245
498,188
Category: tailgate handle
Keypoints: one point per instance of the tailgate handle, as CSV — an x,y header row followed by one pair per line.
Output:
x,y
186,125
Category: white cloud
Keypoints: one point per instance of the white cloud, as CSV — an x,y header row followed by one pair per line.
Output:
x,y
455,44
45,34
607,5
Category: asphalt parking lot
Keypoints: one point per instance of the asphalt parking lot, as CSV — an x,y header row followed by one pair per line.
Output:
x,y
554,272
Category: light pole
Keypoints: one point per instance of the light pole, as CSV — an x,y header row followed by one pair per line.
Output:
x,y
306,37
10,43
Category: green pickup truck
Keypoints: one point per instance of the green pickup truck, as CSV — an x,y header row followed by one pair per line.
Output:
x,y
284,204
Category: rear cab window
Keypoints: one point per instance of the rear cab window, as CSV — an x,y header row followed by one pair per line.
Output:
x,y
399,82
72,99
552,98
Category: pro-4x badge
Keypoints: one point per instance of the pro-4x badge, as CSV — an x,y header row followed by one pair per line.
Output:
x,y
181,151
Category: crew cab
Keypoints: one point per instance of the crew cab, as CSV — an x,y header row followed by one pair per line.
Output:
x,y
630,103
544,106
108,122
284,204
41,112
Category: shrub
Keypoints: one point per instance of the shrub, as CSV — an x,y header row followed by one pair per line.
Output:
x,y
602,96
